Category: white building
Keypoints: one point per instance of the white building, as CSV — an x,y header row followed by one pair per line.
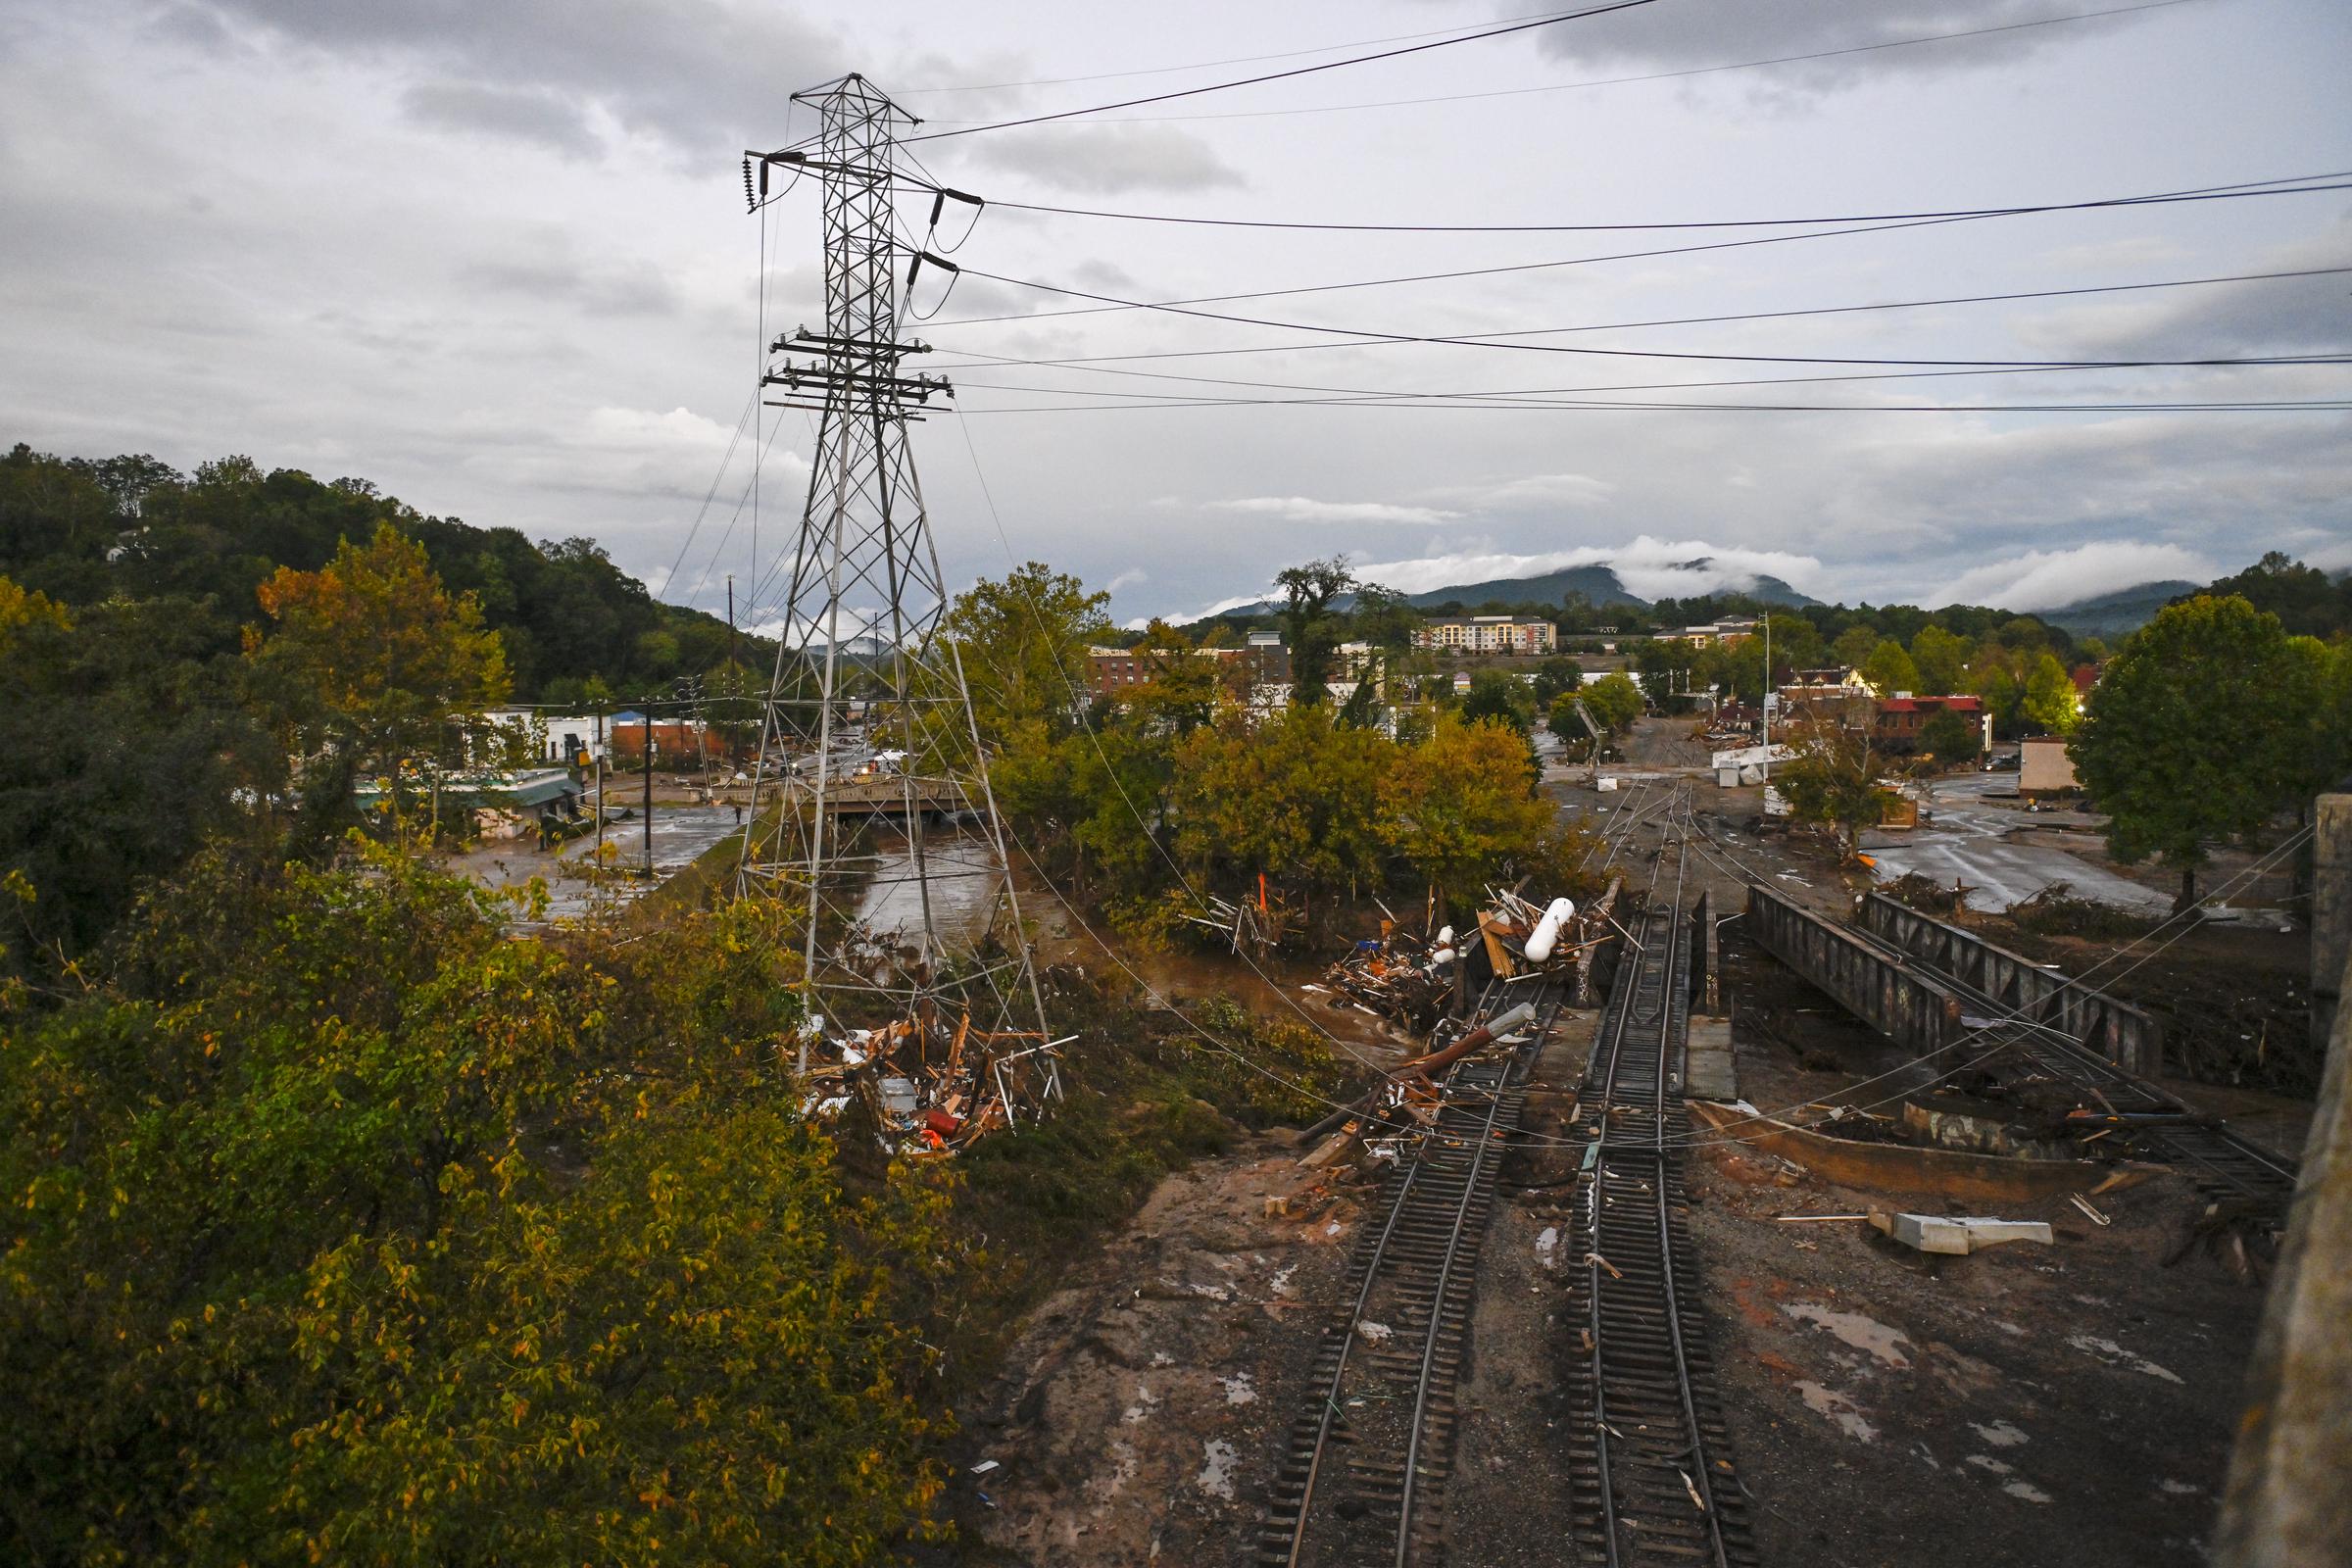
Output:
x,y
554,740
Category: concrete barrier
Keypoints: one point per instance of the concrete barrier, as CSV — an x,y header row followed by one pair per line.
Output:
x,y
2116,1030
1900,1001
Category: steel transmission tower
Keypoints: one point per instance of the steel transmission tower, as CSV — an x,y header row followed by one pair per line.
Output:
x,y
868,727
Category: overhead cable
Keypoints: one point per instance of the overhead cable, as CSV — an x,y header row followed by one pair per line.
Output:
x,y
1082,360
1296,70
1598,81
1112,301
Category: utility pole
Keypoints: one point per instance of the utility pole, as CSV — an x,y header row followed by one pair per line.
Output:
x,y
649,787
863,664
599,787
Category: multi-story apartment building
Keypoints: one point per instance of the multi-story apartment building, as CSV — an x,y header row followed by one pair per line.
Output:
x,y
1489,634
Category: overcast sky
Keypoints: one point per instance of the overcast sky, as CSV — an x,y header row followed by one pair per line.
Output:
x,y
495,257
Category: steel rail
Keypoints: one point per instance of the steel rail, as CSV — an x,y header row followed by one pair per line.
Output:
x,y
1437,1310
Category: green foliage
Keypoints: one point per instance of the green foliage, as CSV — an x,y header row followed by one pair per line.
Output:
x,y
133,739
1889,670
341,1226
370,654
2198,732
1942,658
2049,701
1024,642
1950,737
1855,645
2306,600
1497,698
1615,700
1310,627
1554,676
1833,781
1462,805
85,531
1296,796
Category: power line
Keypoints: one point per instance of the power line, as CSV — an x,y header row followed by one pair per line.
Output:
x,y
1181,309
2341,180
1532,393
1607,228
2278,405
1683,320
1211,64
1298,71
1601,82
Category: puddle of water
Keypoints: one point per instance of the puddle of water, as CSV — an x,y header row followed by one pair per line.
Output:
x,y
2000,1434
1547,1246
1239,1388
2026,1490
1216,1476
2114,1354
1862,1333
1837,1408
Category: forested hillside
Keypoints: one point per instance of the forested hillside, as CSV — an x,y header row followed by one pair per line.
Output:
x,y
85,530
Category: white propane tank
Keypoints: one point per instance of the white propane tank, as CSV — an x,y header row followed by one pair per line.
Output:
x,y
1445,936
1546,934
1440,958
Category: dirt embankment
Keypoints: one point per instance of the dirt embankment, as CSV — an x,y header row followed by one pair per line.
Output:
x,y
1138,1417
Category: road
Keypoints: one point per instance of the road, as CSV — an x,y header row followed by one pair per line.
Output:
x,y
1968,840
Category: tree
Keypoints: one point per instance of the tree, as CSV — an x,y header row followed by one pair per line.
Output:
x,y
1296,798
343,1228
1834,780
1556,675
1795,643
1382,617
1942,658
372,655
2188,738
1497,698
1855,645
1308,625
2306,600
1024,641
136,745
1950,737
2049,701
1889,670
1462,804
1615,700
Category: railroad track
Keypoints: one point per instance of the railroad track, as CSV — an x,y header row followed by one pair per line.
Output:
x,y
1363,1480
1652,1475
2219,1162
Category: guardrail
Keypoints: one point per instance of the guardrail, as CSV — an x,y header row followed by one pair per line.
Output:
x,y
1898,1001
2116,1030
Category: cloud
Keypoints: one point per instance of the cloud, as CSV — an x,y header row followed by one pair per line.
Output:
x,y
1652,568
2046,579
1536,490
622,289
1305,508
698,75
1672,37
1108,160
1131,577
535,116
2218,320
667,455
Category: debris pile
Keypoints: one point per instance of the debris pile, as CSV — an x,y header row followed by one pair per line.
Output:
x,y
931,1088
1248,927
1400,976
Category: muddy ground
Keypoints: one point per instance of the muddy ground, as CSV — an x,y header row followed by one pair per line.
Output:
x,y
2025,1405
2022,1405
